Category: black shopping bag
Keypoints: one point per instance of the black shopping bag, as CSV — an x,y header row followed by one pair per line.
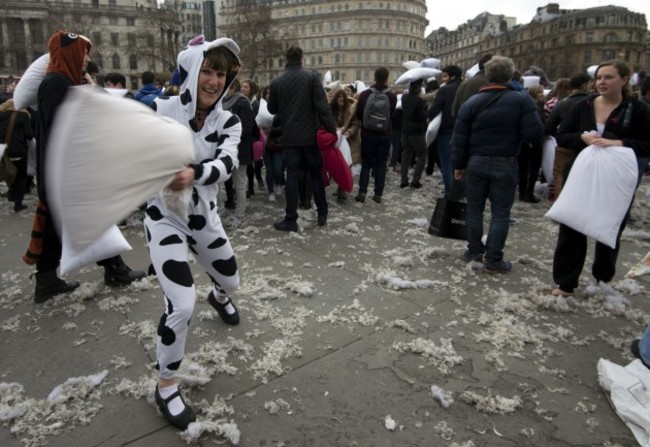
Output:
x,y
448,219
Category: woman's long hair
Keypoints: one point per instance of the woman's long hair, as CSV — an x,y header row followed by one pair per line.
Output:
x,y
334,102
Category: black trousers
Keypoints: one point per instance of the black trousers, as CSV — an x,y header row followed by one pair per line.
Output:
x,y
308,158
530,162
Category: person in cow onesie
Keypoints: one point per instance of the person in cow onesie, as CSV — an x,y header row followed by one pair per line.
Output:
x,y
206,69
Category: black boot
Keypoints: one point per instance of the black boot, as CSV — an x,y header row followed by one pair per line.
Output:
x,y
49,285
117,273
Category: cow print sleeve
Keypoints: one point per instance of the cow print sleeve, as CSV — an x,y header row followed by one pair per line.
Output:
x,y
218,167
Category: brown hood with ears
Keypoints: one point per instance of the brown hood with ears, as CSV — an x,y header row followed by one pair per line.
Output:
x,y
67,52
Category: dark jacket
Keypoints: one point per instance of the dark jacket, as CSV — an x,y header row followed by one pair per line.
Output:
x,y
148,93
20,136
467,89
240,106
442,103
560,110
499,129
51,93
297,98
361,105
415,115
629,122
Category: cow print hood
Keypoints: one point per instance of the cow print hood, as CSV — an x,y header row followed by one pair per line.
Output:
x,y
189,66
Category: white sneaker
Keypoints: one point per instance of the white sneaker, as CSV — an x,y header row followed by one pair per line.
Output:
x,y
272,197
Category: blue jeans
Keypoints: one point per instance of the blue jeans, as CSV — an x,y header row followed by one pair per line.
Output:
x,y
308,158
493,178
644,346
374,155
446,167
274,162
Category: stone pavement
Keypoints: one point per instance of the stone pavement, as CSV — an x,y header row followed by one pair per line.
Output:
x,y
367,332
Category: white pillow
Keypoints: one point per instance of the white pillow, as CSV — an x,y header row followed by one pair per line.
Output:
x,y
530,81
109,244
415,74
410,64
26,92
344,147
548,158
431,62
433,128
598,192
472,71
112,165
264,119
591,70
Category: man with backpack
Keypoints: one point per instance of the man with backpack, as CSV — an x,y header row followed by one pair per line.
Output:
x,y
149,91
374,110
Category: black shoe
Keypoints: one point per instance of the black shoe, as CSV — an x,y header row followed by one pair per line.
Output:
x,y
472,257
230,204
322,220
376,199
250,192
48,285
361,197
118,273
416,185
530,198
10,196
304,205
497,267
284,225
403,185
151,271
232,319
182,420
18,207
428,171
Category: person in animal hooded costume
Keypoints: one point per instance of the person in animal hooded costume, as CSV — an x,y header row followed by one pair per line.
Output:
x,y
206,69
69,55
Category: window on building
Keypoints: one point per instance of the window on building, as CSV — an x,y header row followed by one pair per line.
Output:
x,y
133,62
610,38
130,21
98,59
337,60
115,39
112,2
130,38
313,60
97,38
112,20
320,60
589,37
587,57
116,61
608,54
95,3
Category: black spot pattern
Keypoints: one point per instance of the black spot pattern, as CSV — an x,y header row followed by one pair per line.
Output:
x,y
170,306
222,139
191,240
195,196
166,334
182,74
219,242
171,240
153,106
148,233
231,121
213,137
217,152
214,175
227,161
227,267
154,213
198,169
193,250
196,222
186,97
178,272
157,366
173,366
212,205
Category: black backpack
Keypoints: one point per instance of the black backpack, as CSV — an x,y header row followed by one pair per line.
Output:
x,y
376,113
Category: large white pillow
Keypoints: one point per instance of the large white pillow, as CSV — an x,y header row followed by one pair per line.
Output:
x,y
26,92
548,158
415,74
410,64
598,192
433,128
106,156
471,72
530,81
431,62
109,244
264,119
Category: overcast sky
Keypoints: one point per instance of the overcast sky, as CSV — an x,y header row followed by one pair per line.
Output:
x,y
450,14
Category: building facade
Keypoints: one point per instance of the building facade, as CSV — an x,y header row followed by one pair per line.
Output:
x,y
560,41
349,39
129,36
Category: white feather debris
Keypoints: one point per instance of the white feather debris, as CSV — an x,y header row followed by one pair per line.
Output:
x,y
76,386
11,324
302,288
491,404
352,313
390,423
419,221
446,398
444,357
274,407
226,430
444,431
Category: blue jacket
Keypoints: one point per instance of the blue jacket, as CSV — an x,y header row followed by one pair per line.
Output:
x,y
148,93
499,129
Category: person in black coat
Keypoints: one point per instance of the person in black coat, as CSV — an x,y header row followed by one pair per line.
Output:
x,y
298,98
17,148
610,117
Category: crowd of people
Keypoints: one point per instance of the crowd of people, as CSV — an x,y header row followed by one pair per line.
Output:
x,y
488,147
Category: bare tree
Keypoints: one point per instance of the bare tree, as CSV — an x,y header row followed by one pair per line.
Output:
x,y
250,24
